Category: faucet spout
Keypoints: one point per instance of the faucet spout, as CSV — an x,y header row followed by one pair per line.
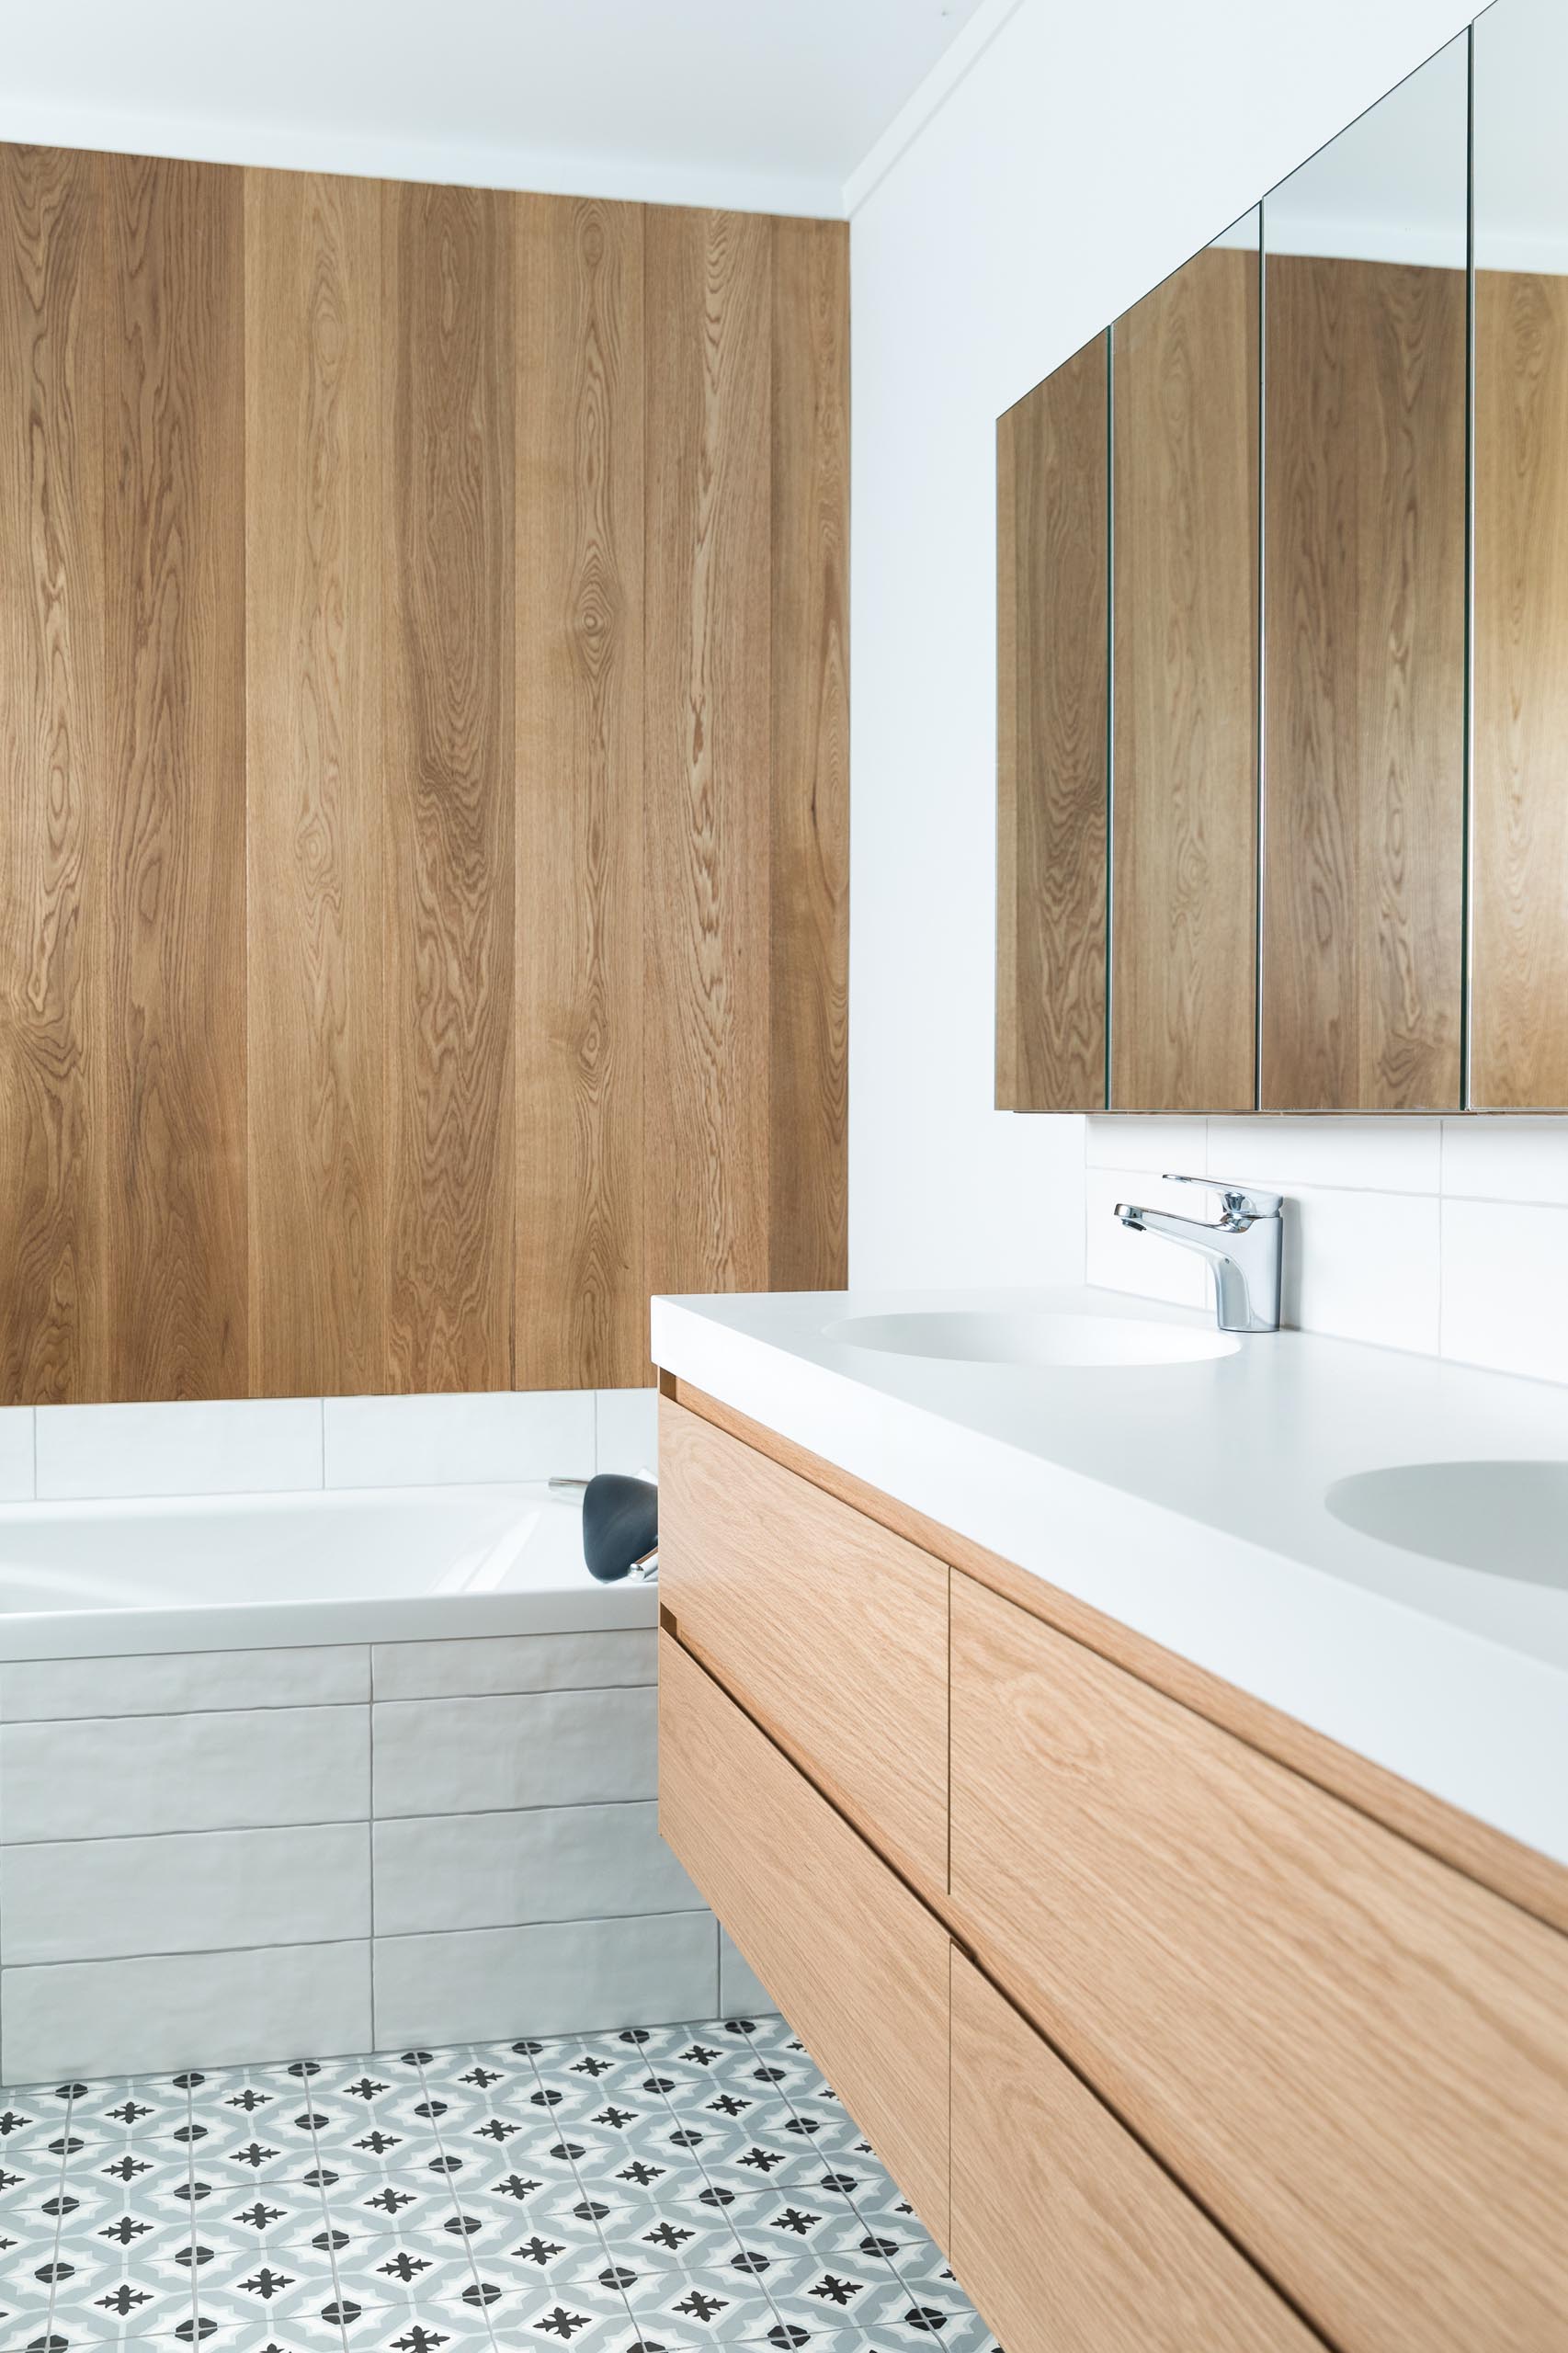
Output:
x,y
1242,1246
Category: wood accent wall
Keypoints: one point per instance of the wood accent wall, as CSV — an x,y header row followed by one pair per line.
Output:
x,y
423,833
1364,595
1184,824
1053,749
1519,952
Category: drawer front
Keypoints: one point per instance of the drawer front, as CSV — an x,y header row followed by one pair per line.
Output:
x,y
1355,2058
1067,2234
859,1967
833,1631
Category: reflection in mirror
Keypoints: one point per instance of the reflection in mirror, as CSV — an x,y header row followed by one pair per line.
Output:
x,y
1364,566
1184,905
1053,660
1520,792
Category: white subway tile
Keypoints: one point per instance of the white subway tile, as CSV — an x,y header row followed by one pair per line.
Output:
x,y
1510,1159
134,1776
1506,1287
1363,1267
1388,1155
489,1664
215,2009
16,1453
1156,1143
499,1871
742,1993
177,1683
96,1899
449,1440
545,1748
1143,1264
627,1431
572,1977
235,1445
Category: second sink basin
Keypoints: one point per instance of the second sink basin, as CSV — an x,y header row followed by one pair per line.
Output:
x,y
1037,1338
1509,1519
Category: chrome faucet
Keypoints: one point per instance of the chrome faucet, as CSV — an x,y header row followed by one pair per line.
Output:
x,y
1242,1249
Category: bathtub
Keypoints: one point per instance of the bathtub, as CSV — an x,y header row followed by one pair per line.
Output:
x,y
374,1564
310,1773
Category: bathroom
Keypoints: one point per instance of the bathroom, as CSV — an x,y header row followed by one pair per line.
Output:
x,y
1052,1832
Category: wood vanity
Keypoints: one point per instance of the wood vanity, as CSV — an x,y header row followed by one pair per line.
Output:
x,y
1179,2025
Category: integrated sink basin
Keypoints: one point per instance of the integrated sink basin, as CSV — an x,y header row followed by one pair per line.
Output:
x,y
1509,1519
1040,1338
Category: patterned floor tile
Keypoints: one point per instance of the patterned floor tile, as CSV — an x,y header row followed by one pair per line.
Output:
x,y
662,2189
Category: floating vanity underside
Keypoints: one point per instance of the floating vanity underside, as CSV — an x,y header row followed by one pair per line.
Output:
x,y
1178,2023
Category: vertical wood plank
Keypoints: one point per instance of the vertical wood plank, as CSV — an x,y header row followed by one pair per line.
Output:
x,y
1519,974
451,727
315,549
1184,953
1053,741
1364,724
54,807
582,1293
809,938
708,309
174,564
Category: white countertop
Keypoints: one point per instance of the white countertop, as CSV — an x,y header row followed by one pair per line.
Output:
x,y
1187,1501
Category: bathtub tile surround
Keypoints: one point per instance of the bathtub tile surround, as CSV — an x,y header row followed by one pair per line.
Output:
x,y
675,2187
262,1445
265,1850
1447,1238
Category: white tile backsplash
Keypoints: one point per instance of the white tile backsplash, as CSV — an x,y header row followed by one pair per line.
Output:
x,y
183,1683
233,1445
16,1453
478,1666
442,1441
500,1871
627,1431
543,1748
1441,1235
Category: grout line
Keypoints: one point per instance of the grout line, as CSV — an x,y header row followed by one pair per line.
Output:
x,y
327,2229
431,2104
195,2247
60,2223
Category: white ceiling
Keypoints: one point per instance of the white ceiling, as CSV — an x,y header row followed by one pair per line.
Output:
x,y
767,103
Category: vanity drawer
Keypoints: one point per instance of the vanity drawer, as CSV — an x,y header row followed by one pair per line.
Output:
x,y
857,1965
831,1630
1067,2234
1355,2058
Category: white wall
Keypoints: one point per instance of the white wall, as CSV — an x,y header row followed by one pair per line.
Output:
x,y
1083,154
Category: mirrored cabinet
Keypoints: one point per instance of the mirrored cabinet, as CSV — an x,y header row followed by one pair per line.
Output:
x,y
1283,639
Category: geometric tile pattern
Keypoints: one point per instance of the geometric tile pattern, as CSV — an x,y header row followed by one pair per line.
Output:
x,y
658,2190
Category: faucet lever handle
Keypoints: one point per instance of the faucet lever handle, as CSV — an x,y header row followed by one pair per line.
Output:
x,y
1240,1201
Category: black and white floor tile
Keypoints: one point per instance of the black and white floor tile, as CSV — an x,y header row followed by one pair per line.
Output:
x,y
654,2191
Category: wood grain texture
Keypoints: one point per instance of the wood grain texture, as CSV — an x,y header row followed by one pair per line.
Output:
x,y
1364,717
450,736
1185,937
707,839
174,684
315,467
1522,1874
53,804
1067,2234
857,1964
832,1632
1355,2059
1053,724
1519,959
582,1313
809,931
